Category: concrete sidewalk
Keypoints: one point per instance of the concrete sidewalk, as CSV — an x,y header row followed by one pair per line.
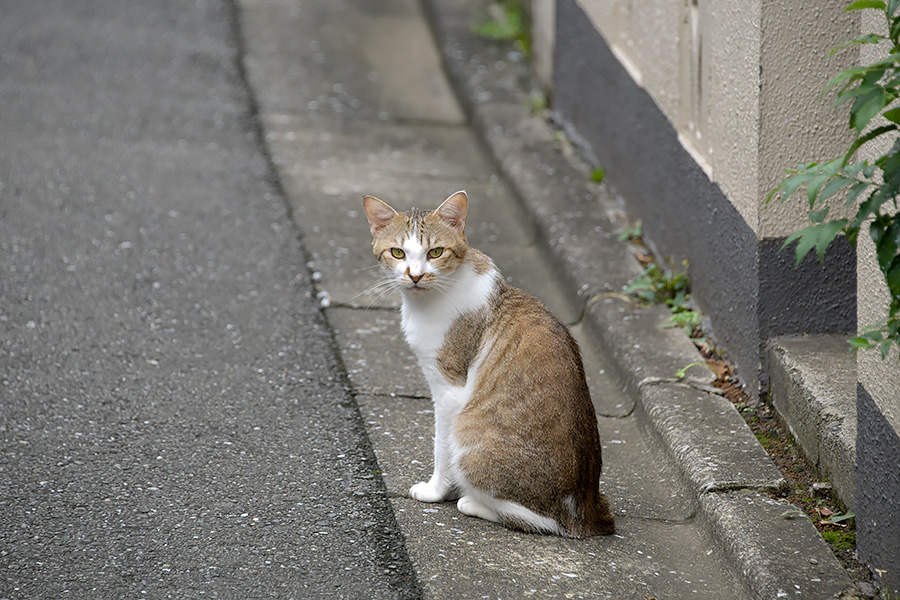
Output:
x,y
354,100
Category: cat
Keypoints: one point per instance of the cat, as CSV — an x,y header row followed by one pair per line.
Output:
x,y
516,439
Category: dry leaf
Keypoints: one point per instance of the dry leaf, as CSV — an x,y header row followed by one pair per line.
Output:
x,y
719,367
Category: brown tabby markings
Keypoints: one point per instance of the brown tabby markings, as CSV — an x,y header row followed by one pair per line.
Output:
x,y
528,433
515,422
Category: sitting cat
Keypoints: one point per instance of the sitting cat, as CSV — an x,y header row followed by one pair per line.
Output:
x,y
516,436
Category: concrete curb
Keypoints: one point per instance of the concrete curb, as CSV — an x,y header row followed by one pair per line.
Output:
x,y
813,385
713,447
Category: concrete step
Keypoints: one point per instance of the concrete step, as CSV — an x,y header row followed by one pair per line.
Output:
x,y
813,387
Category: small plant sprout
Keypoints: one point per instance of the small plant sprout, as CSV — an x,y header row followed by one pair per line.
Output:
x,y
632,232
507,23
681,373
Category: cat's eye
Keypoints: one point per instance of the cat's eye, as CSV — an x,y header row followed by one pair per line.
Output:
x,y
435,252
397,253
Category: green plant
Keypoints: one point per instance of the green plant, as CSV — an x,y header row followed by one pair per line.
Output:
x,y
766,439
538,102
870,187
632,232
841,517
840,540
657,286
682,372
688,320
508,23
597,175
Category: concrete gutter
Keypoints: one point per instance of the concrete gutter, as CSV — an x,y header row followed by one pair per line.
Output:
x,y
728,469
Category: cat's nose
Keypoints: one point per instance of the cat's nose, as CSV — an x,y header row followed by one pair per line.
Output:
x,y
415,278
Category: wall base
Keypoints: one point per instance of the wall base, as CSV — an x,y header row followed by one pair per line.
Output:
x,y
878,491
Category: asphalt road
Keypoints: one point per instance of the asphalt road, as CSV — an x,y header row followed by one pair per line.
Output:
x,y
174,417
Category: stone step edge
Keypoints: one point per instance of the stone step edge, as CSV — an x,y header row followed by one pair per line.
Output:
x,y
812,384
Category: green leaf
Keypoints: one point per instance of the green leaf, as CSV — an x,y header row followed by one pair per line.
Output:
x,y
840,518
826,235
638,285
858,142
860,343
813,186
854,168
886,235
873,334
892,276
892,115
870,206
817,236
893,327
885,347
817,216
888,61
865,90
834,186
791,184
861,4
851,74
866,107
872,38
855,190
806,241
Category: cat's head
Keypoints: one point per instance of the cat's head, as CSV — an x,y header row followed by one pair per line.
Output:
x,y
419,250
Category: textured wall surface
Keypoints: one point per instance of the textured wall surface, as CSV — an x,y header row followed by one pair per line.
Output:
x,y
745,286
684,213
761,67
878,489
798,123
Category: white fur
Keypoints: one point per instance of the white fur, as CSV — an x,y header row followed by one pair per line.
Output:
x,y
484,506
426,319
415,259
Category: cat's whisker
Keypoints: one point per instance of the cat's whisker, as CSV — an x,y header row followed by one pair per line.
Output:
x,y
378,285
373,300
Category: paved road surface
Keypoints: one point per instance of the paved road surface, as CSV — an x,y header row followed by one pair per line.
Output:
x,y
175,420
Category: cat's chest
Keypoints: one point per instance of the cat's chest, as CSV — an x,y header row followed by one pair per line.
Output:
x,y
427,321
425,332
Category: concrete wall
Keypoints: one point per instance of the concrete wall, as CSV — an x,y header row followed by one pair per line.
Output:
x,y
694,108
878,399
543,19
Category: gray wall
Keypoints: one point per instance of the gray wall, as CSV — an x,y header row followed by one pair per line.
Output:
x,y
878,489
745,286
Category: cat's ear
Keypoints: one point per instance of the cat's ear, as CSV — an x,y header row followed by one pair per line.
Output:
x,y
378,213
453,210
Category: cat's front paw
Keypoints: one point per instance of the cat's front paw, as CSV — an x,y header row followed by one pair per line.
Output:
x,y
428,492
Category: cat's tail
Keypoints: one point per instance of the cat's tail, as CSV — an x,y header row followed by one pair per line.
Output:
x,y
594,517
598,519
